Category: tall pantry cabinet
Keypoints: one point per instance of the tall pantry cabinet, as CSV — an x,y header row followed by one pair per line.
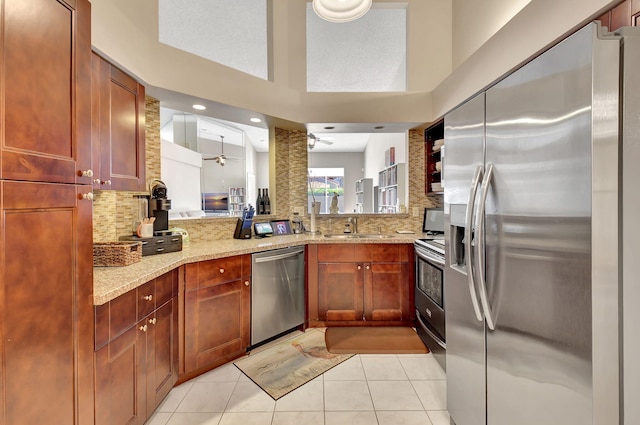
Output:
x,y
46,265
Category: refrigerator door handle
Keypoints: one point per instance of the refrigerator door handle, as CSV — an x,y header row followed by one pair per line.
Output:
x,y
468,238
480,253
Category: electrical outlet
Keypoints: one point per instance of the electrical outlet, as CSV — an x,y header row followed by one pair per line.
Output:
x,y
416,211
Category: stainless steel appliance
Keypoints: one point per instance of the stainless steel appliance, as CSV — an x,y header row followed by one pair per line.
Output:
x,y
429,295
159,207
540,227
429,283
277,293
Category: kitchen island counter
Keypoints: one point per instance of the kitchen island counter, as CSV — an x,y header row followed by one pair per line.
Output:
x,y
111,282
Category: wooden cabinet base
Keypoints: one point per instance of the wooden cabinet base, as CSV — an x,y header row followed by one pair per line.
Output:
x,y
360,285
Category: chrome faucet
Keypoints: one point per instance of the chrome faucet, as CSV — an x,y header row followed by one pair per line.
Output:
x,y
353,221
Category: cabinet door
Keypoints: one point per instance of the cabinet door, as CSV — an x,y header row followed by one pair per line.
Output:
x,y
45,304
162,354
118,120
45,56
340,291
216,324
120,373
386,292
621,16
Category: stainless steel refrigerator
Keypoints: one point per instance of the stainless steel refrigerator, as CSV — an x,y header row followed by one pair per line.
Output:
x,y
535,193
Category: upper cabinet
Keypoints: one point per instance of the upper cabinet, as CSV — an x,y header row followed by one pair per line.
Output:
x,y
118,124
434,140
625,14
46,91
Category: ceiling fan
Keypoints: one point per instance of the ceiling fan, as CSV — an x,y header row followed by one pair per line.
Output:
x,y
222,158
312,139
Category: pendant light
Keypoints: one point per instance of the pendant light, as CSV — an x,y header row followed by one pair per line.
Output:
x,y
341,10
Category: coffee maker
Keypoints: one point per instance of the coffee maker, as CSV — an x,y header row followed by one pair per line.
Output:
x,y
159,207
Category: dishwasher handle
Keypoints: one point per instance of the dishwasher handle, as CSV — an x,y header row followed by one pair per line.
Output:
x,y
277,257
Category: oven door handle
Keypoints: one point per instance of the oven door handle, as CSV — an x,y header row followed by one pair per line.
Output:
x,y
426,256
468,222
433,336
480,253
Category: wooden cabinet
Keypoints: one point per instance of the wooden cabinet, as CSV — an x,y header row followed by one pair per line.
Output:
x,y
136,351
46,373
434,138
360,284
216,313
626,13
118,123
46,286
46,48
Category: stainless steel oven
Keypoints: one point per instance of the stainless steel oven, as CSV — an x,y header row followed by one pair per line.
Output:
x,y
429,295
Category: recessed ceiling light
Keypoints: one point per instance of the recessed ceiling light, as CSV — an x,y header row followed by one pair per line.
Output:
x,y
379,127
199,107
329,128
254,119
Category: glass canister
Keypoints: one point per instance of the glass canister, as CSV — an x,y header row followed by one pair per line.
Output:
x,y
141,213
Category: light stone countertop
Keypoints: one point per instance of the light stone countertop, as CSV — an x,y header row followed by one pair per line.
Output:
x,y
111,282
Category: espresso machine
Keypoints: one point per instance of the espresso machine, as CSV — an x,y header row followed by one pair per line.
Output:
x,y
159,207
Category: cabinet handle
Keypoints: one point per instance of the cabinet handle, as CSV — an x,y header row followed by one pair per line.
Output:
x,y
143,328
147,297
359,267
221,271
153,321
85,173
246,283
86,196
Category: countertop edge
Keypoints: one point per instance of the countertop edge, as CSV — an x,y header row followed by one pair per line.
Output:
x,y
111,282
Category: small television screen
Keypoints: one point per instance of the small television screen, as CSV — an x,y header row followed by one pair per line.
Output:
x,y
215,202
433,221
281,227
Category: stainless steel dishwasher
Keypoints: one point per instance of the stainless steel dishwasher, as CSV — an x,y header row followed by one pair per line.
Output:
x,y
277,292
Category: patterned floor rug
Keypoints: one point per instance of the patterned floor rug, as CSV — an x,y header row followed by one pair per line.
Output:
x,y
290,364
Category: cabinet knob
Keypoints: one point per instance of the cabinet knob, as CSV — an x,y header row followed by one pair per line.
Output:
x,y
148,297
246,283
97,181
153,321
221,271
107,182
85,173
143,328
368,267
359,267
86,196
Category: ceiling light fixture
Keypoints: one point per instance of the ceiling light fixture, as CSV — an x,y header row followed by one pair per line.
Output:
x,y
199,107
341,10
255,119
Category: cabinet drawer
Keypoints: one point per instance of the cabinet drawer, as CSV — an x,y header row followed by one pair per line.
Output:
x,y
213,272
166,287
146,299
363,253
115,317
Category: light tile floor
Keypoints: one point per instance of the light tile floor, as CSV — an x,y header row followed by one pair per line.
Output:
x,y
402,389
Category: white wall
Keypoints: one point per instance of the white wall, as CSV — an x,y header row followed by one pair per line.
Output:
x,y
475,22
376,147
181,169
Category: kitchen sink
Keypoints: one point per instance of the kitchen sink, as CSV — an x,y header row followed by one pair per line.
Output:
x,y
358,236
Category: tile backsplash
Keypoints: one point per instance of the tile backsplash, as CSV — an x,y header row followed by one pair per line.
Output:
x,y
115,211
